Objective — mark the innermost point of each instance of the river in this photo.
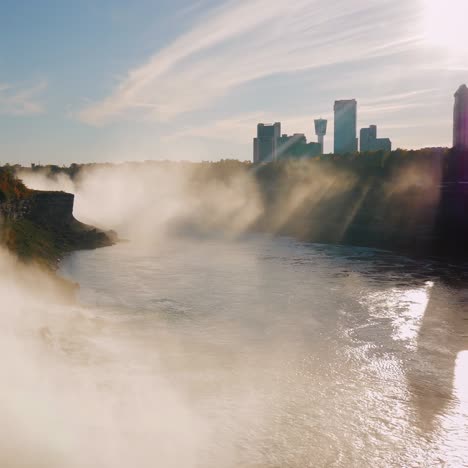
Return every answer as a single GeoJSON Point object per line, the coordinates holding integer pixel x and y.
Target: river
{"type": "Point", "coordinates": [267, 352]}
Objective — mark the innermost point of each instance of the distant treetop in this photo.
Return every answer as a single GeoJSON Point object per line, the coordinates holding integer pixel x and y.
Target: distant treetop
{"type": "Point", "coordinates": [11, 187]}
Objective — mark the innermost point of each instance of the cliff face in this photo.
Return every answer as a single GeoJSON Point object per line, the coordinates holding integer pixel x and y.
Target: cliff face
{"type": "Point", "coordinates": [41, 226]}
{"type": "Point", "coordinates": [53, 209]}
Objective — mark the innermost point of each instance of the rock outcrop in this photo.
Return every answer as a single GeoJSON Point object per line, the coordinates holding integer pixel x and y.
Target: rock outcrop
{"type": "Point", "coordinates": [47, 208]}
{"type": "Point", "coordinates": [40, 225]}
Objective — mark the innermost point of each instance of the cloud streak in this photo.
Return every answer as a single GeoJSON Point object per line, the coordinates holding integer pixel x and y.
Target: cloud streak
{"type": "Point", "coordinates": [246, 40]}
{"type": "Point", "coordinates": [19, 101]}
{"type": "Point", "coordinates": [239, 128]}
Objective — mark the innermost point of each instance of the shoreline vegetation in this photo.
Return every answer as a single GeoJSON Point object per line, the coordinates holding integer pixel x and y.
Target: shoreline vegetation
{"type": "Point", "coordinates": [409, 202]}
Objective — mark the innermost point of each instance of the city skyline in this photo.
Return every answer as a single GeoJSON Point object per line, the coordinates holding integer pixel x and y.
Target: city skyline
{"type": "Point", "coordinates": [271, 144]}
{"type": "Point", "coordinates": [182, 80]}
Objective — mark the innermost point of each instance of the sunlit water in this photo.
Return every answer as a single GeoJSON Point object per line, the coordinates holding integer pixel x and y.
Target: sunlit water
{"type": "Point", "coordinates": [272, 353]}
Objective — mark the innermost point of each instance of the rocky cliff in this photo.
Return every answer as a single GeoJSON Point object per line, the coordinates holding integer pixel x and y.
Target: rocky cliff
{"type": "Point", "coordinates": [47, 208]}
{"type": "Point", "coordinates": [40, 225]}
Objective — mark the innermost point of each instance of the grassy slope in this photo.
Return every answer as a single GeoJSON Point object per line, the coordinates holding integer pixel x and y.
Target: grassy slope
{"type": "Point", "coordinates": [30, 241]}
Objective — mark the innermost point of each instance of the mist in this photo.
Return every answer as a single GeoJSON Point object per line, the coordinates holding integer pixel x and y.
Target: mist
{"type": "Point", "coordinates": [103, 383]}
{"type": "Point", "coordinates": [150, 202]}
{"type": "Point", "coordinates": [91, 384]}
{"type": "Point", "coordinates": [200, 341]}
{"type": "Point", "coordinates": [78, 390]}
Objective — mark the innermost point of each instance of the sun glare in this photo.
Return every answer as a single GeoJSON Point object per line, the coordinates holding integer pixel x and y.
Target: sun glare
{"type": "Point", "coordinates": [461, 379]}
{"type": "Point", "coordinates": [445, 24]}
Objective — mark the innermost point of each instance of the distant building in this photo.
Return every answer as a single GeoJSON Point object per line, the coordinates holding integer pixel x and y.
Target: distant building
{"type": "Point", "coordinates": [345, 126]}
{"type": "Point", "coordinates": [296, 146]}
{"type": "Point", "coordinates": [270, 145]}
{"type": "Point", "coordinates": [460, 119]}
{"type": "Point", "coordinates": [368, 140]}
{"type": "Point", "coordinates": [320, 131]}
{"type": "Point", "coordinates": [288, 142]}
{"type": "Point", "coordinates": [266, 143]}
{"type": "Point", "coordinates": [366, 137]}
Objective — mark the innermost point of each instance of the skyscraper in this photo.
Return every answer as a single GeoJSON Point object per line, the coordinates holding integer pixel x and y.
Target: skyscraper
{"type": "Point", "coordinates": [460, 119]}
{"type": "Point", "coordinates": [345, 126]}
{"type": "Point", "coordinates": [366, 137]}
{"type": "Point", "coordinates": [368, 140]}
{"type": "Point", "coordinates": [320, 131]}
{"type": "Point", "coordinates": [296, 147]}
{"type": "Point", "coordinates": [266, 142]}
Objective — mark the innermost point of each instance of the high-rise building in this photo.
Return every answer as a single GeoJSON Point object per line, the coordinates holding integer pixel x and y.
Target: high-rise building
{"type": "Point", "coordinates": [266, 142]}
{"type": "Point", "coordinates": [296, 147]}
{"type": "Point", "coordinates": [320, 131]}
{"type": "Point", "coordinates": [368, 140]}
{"type": "Point", "coordinates": [366, 137]}
{"type": "Point", "coordinates": [460, 119]}
{"type": "Point", "coordinates": [290, 144]}
{"type": "Point", "coordinates": [345, 126]}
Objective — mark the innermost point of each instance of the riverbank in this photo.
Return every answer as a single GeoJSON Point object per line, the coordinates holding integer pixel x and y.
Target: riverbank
{"type": "Point", "coordinates": [410, 202]}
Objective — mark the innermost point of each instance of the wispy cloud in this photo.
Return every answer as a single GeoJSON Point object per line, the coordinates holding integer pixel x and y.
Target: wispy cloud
{"type": "Point", "coordinates": [15, 100]}
{"type": "Point", "coordinates": [240, 127]}
{"type": "Point", "coordinates": [244, 40]}
{"type": "Point", "coordinates": [399, 102]}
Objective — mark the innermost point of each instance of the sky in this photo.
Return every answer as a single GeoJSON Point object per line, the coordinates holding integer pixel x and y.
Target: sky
{"type": "Point", "coordinates": [113, 80]}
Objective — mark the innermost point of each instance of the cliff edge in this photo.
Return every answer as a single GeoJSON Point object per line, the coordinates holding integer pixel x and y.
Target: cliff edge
{"type": "Point", "coordinates": [40, 226]}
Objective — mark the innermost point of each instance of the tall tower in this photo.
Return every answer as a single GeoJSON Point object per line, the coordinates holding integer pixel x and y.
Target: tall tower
{"type": "Point", "coordinates": [320, 131]}
{"type": "Point", "coordinates": [265, 145]}
{"type": "Point", "coordinates": [460, 119]}
{"type": "Point", "coordinates": [345, 126]}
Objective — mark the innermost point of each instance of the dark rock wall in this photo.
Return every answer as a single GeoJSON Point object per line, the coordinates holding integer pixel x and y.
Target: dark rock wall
{"type": "Point", "coordinates": [53, 209]}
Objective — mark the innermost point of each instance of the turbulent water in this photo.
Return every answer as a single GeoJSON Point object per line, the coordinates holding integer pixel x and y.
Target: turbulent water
{"type": "Point", "coordinates": [270, 353]}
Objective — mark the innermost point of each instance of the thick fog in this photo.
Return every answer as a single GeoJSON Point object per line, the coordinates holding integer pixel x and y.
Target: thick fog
{"type": "Point", "coordinates": [210, 354]}
{"type": "Point", "coordinates": [81, 387]}
{"type": "Point", "coordinates": [146, 202]}
{"type": "Point", "coordinates": [106, 386]}
{"type": "Point", "coordinates": [149, 202]}
{"type": "Point", "coordinates": [154, 201]}
{"type": "Point", "coordinates": [77, 390]}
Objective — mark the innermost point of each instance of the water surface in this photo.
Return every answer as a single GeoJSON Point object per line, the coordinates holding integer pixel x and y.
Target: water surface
{"type": "Point", "coordinates": [271, 353]}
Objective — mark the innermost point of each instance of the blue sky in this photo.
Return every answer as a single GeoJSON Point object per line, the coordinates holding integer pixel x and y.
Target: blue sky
{"type": "Point", "coordinates": [176, 79]}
